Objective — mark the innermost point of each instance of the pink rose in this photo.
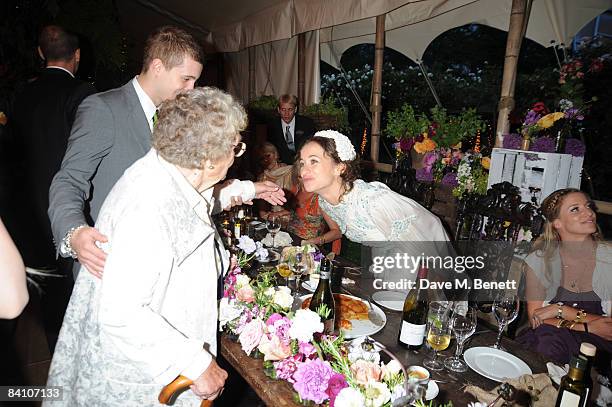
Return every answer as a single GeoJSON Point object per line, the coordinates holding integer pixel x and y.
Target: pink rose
{"type": "Point", "coordinates": [273, 348]}
{"type": "Point", "coordinates": [251, 334]}
{"type": "Point", "coordinates": [246, 294]}
{"type": "Point", "coordinates": [365, 372]}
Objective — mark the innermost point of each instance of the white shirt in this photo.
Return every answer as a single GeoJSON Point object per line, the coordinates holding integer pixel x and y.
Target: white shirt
{"type": "Point", "coordinates": [62, 68]}
{"type": "Point", "coordinates": [147, 104]}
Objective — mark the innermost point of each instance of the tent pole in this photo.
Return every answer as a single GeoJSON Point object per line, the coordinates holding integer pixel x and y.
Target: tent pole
{"type": "Point", "coordinates": [301, 68]}
{"type": "Point", "coordinates": [375, 106]}
{"type": "Point", "coordinates": [518, 17]}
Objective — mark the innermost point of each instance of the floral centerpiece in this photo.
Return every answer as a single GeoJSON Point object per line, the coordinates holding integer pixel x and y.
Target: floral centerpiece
{"type": "Point", "coordinates": [472, 175]}
{"type": "Point", "coordinates": [320, 368]}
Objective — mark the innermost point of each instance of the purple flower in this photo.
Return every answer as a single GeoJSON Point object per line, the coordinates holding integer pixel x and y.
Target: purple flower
{"type": "Point", "coordinates": [424, 174]}
{"type": "Point", "coordinates": [573, 113]}
{"type": "Point", "coordinates": [575, 147]}
{"type": "Point", "coordinates": [312, 380]}
{"type": "Point", "coordinates": [512, 141]}
{"type": "Point", "coordinates": [406, 144]}
{"type": "Point", "coordinates": [430, 158]}
{"type": "Point", "coordinates": [450, 179]}
{"type": "Point", "coordinates": [307, 349]}
{"type": "Point", "coordinates": [531, 118]}
{"type": "Point", "coordinates": [543, 145]}
{"type": "Point", "coordinates": [318, 256]}
{"type": "Point", "coordinates": [336, 383]}
{"type": "Point", "coordinates": [285, 369]}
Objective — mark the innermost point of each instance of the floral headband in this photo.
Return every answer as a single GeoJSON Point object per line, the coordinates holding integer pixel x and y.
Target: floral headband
{"type": "Point", "coordinates": [344, 147]}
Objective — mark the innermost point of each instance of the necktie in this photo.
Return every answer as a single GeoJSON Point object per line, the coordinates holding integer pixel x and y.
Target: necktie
{"type": "Point", "coordinates": [154, 119]}
{"type": "Point", "coordinates": [289, 139]}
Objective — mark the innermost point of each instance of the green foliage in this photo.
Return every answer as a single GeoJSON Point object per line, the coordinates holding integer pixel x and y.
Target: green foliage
{"type": "Point", "coordinates": [452, 129]}
{"type": "Point", "coordinates": [264, 102]}
{"type": "Point", "coordinates": [328, 108]}
{"type": "Point", "coordinates": [405, 123]}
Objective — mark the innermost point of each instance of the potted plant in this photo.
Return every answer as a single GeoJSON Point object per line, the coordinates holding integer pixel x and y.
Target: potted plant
{"type": "Point", "coordinates": [327, 115]}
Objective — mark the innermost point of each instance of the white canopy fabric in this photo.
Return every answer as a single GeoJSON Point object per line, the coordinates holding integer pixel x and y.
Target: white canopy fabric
{"type": "Point", "coordinates": [550, 20]}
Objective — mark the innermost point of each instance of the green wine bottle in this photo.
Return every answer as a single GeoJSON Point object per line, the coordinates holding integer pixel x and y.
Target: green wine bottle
{"type": "Point", "coordinates": [572, 392]}
{"type": "Point", "coordinates": [323, 298]}
{"type": "Point", "coordinates": [414, 316]}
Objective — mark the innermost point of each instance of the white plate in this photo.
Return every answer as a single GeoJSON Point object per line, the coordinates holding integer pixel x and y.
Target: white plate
{"type": "Point", "coordinates": [360, 327]}
{"type": "Point", "coordinates": [495, 364]}
{"type": "Point", "coordinates": [432, 390]}
{"type": "Point", "coordinates": [393, 300]}
{"type": "Point", "coordinates": [306, 285]}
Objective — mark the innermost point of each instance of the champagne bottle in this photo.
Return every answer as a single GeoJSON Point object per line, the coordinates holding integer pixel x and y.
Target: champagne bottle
{"type": "Point", "coordinates": [572, 392]}
{"type": "Point", "coordinates": [323, 296]}
{"type": "Point", "coordinates": [238, 227]}
{"type": "Point", "coordinates": [587, 352]}
{"type": "Point", "coordinates": [414, 316]}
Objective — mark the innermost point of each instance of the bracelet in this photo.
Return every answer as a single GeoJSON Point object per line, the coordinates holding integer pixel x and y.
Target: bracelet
{"type": "Point", "coordinates": [571, 325]}
{"type": "Point", "coordinates": [580, 315]}
{"type": "Point", "coordinates": [560, 323]}
{"type": "Point", "coordinates": [67, 241]}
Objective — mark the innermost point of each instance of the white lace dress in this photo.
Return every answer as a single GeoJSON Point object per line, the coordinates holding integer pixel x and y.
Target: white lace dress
{"type": "Point", "coordinates": [372, 212]}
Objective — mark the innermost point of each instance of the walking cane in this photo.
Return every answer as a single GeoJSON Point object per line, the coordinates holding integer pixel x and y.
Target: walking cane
{"type": "Point", "coordinates": [178, 384]}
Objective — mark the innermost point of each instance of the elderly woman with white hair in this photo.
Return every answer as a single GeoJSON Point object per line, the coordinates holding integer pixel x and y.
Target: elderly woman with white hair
{"type": "Point", "coordinates": [153, 315]}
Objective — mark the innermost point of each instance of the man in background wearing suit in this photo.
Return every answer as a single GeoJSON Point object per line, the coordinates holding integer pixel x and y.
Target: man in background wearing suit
{"type": "Point", "coordinates": [43, 113]}
{"type": "Point", "coordinates": [291, 130]}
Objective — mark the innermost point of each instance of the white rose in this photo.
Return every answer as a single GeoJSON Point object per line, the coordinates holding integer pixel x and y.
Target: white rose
{"type": "Point", "coordinates": [349, 397]}
{"type": "Point", "coordinates": [377, 394]}
{"type": "Point", "coordinates": [228, 311]}
{"type": "Point", "coordinates": [242, 280]}
{"type": "Point", "coordinates": [304, 324]}
{"type": "Point", "coordinates": [283, 298]}
{"type": "Point", "coordinates": [270, 291]}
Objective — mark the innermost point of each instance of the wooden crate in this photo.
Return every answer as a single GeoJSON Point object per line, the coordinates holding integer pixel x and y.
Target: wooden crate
{"type": "Point", "coordinates": [526, 169]}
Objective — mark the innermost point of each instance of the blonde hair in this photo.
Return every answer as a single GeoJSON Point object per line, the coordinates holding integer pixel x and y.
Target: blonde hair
{"type": "Point", "coordinates": [170, 45]}
{"type": "Point", "coordinates": [198, 125]}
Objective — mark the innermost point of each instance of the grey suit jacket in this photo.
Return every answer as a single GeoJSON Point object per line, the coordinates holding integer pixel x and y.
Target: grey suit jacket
{"type": "Point", "coordinates": [109, 134]}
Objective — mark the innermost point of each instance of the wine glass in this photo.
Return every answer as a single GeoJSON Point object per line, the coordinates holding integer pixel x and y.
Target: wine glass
{"type": "Point", "coordinates": [298, 267]}
{"type": "Point", "coordinates": [505, 308]}
{"type": "Point", "coordinates": [463, 323]}
{"type": "Point", "coordinates": [285, 271]}
{"type": "Point", "coordinates": [273, 225]}
{"type": "Point", "coordinates": [438, 336]}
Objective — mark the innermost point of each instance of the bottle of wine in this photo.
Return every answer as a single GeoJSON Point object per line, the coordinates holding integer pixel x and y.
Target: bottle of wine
{"type": "Point", "coordinates": [572, 392]}
{"type": "Point", "coordinates": [238, 227]}
{"type": "Point", "coordinates": [587, 352]}
{"type": "Point", "coordinates": [323, 296]}
{"type": "Point", "coordinates": [414, 316]}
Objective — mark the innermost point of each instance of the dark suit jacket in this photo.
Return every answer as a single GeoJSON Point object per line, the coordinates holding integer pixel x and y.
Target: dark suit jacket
{"type": "Point", "coordinates": [42, 116]}
{"type": "Point", "coordinates": [109, 134]}
{"type": "Point", "coordinates": [304, 129]}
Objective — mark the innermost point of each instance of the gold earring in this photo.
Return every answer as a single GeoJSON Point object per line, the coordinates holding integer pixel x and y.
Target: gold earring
{"type": "Point", "coordinates": [211, 167]}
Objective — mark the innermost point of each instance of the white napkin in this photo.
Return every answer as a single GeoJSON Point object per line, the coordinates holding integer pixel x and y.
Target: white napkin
{"type": "Point", "coordinates": [281, 239]}
{"type": "Point", "coordinates": [556, 372]}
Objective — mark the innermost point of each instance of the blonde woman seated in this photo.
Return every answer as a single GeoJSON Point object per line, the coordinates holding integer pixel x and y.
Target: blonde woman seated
{"type": "Point", "coordinates": [569, 281]}
{"type": "Point", "coordinates": [274, 171]}
{"type": "Point", "coordinates": [153, 315]}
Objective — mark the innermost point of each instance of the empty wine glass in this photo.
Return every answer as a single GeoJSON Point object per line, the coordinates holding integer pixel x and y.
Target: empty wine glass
{"type": "Point", "coordinates": [438, 336]}
{"type": "Point", "coordinates": [298, 267]}
{"type": "Point", "coordinates": [273, 225]}
{"type": "Point", "coordinates": [505, 308]}
{"type": "Point", "coordinates": [463, 324]}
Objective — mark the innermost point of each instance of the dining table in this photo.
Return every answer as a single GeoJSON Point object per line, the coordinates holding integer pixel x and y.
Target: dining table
{"type": "Point", "coordinates": [451, 385]}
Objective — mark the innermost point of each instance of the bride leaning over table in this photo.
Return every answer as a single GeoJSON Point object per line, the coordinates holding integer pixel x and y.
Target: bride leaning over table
{"type": "Point", "coordinates": [153, 315]}
{"type": "Point", "coordinates": [569, 281]}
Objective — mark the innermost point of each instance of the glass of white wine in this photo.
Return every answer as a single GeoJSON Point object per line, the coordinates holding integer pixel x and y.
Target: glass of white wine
{"type": "Point", "coordinates": [463, 323]}
{"type": "Point", "coordinates": [438, 336]}
{"type": "Point", "coordinates": [284, 271]}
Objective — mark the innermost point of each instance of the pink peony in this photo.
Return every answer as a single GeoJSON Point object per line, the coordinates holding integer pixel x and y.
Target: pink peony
{"type": "Point", "coordinates": [307, 349]}
{"type": "Point", "coordinates": [312, 380]}
{"type": "Point", "coordinates": [336, 383]}
{"type": "Point", "coordinates": [250, 335]}
{"type": "Point", "coordinates": [246, 294]}
{"type": "Point", "coordinates": [273, 348]}
{"type": "Point", "coordinates": [286, 368]}
{"type": "Point", "coordinates": [364, 372]}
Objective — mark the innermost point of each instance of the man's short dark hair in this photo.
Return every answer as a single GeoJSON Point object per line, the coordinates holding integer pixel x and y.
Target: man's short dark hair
{"type": "Point", "coordinates": [57, 44]}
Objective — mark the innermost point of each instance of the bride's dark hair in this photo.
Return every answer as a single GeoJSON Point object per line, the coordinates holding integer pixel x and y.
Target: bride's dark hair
{"type": "Point", "coordinates": [351, 168]}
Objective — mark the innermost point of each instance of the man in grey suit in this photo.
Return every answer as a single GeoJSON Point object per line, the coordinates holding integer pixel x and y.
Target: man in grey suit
{"type": "Point", "coordinates": [112, 130]}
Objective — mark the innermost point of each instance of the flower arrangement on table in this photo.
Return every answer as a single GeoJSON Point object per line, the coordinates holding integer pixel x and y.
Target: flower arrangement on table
{"type": "Point", "coordinates": [320, 368]}
{"type": "Point", "coordinates": [472, 175]}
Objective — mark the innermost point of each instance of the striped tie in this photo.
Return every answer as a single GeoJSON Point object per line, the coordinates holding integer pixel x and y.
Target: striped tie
{"type": "Point", "coordinates": [155, 119]}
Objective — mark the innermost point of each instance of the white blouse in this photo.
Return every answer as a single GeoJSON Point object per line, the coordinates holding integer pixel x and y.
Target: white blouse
{"type": "Point", "coordinates": [153, 315]}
